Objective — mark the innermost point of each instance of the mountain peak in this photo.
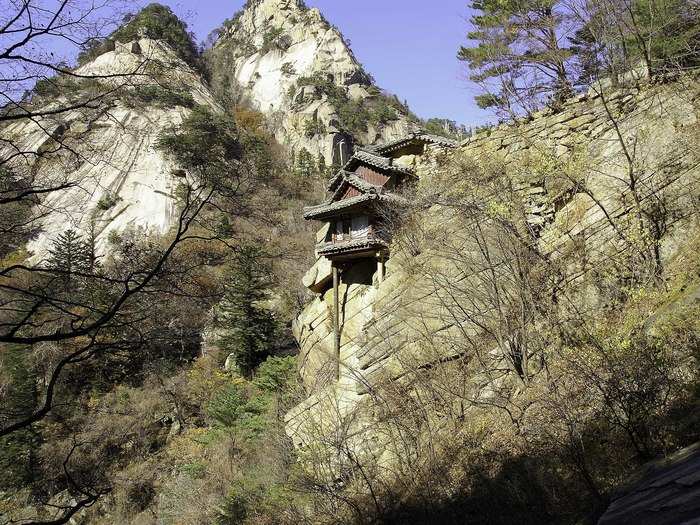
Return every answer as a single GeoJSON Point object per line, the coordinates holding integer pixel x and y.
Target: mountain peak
{"type": "Point", "coordinates": [280, 4]}
{"type": "Point", "coordinates": [290, 63]}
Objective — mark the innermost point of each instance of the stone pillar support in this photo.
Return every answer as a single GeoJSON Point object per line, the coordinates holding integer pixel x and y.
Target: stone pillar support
{"type": "Point", "coordinates": [380, 267]}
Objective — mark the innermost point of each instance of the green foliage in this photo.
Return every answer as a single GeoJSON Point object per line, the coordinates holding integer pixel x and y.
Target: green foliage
{"type": "Point", "coordinates": [250, 329]}
{"type": "Point", "coordinates": [91, 50]}
{"type": "Point", "coordinates": [246, 426]}
{"type": "Point", "coordinates": [674, 42]}
{"type": "Point", "coordinates": [157, 22]}
{"type": "Point", "coordinates": [276, 374]}
{"type": "Point", "coordinates": [517, 55]}
{"type": "Point", "coordinates": [234, 509]}
{"type": "Point", "coordinates": [196, 469]}
{"type": "Point", "coordinates": [666, 33]}
{"type": "Point", "coordinates": [252, 498]}
{"type": "Point", "coordinates": [228, 405]}
{"type": "Point", "coordinates": [384, 109]}
{"type": "Point", "coordinates": [244, 407]}
{"type": "Point", "coordinates": [70, 254]}
{"type": "Point", "coordinates": [314, 127]}
{"type": "Point", "coordinates": [108, 201]}
{"type": "Point", "coordinates": [16, 222]}
{"type": "Point", "coordinates": [325, 171]}
{"type": "Point", "coordinates": [287, 69]}
{"type": "Point", "coordinates": [659, 35]}
{"type": "Point", "coordinates": [159, 96]}
{"type": "Point", "coordinates": [489, 100]}
{"type": "Point", "coordinates": [272, 39]}
{"type": "Point", "coordinates": [516, 52]}
{"type": "Point", "coordinates": [57, 86]}
{"type": "Point", "coordinates": [66, 86]}
{"type": "Point", "coordinates": [206, 144]}
{"type": "Point", "coordinates": [304, 164]}
{"type": "Point", "coordinates": [355, 115]}
{"type": "Point", "coordinates": [211, 146]}
{"type": "Point", "coordinates": [445, 128]}
{"type": "Point", "coordinates": [18, 450]}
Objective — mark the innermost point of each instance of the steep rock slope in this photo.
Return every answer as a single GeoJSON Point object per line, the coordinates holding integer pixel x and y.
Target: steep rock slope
{"type": "Point", "coordinates": [291, 64]}
{"type": "Point", "coordinates": [384, 325]}
{"type": "Point", "coordinates": [118, 177]}
{"type": "Point", "coordinates": [277, 55]}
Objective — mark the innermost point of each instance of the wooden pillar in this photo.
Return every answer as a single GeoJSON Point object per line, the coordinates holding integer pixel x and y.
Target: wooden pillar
{"type": "Point", "coordinates": [336, 320]}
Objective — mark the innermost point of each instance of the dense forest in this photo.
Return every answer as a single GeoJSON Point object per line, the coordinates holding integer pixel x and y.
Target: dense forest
{"type": "Point", "coordinates": [146, 376]}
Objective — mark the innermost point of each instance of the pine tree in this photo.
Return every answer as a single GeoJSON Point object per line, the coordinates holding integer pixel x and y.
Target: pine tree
{"type": "Point", "coordinates": [621, 35]}
{"type": "Point", "coordinates": [249, 328]}
{"type": "Point", "coordinates": [670, 30]}
{"type": "Point", "coordinates": [305, 165]}
{"type": "Point", "coordinates": [16, 225]}
{"type": "Point", "coordinates": [71, 254]}
{"type": "Point", "coordinates": [517, 57]}
{"type": "Point", "coordinates": [72, 258]}
{"type": "Point", "coordinates": [322, 168]}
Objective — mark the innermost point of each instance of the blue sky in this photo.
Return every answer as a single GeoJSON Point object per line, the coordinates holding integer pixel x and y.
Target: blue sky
{"type": "Point", "coordinates": [409, 46]}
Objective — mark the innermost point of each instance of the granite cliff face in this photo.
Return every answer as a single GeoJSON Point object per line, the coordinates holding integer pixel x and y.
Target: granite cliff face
{"type": "Point", "coordinates": [276, 56]}
{"type": "Point", "coordinates": [266, 57]}
{"type": "Point", "coordinates": [385, 325]}
{"type": "Point", "coordinates": [118, 178]}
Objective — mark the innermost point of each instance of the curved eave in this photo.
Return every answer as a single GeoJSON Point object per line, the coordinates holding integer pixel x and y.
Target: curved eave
{"type": "Point", "coordinates": [359, 245]}
{"type": "Point", "coordinates": [337, 180]}
{"type": "Point", "coordinates": [377, 162]}
{"type": "Point", "coordinates": [332, 209]}
{"type": "Point", "coordinates": [356, 182]}
{"type": "Point", "coordinates": [369, 159]}
{"type": "Point", "coordinates": [416, 138]}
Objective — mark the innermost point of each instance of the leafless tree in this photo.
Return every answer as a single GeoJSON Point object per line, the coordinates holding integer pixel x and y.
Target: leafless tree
{"type": "Point", "coordinates": [74, 318]}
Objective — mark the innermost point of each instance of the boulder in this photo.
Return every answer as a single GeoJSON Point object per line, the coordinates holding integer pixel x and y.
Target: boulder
{"type": "Point", "coordinates": [357, 92]}
{"type": "Point", "coordinates": [318, 276]}
{"type": "Point", "coordinates": [230, 365]}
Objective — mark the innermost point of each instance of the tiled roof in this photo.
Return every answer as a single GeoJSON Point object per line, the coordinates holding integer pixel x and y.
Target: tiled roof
{"type": "Point", "coordinates": [440, 141]}
{"type": "Point", "coordinates": [361, 184]}
{"type": "Point", "coordinates": [359, 244]}
{"type": "Point", "coordinates": [329, 208]}
{"type": "Point", "coordinates": [413, 137]}
{"type": "Point", "coordinates": [357, 182]}
{"type": "Point", "coordinates": [314, 212]}
{"type": "Point", "coordinates": [374, 160]}
{"type": "Point", "coordinates": [336, 180]}
{"type": "Point", "coordinates": [375, 156]}
{"type": "Point", "coordinates": [342, 176]}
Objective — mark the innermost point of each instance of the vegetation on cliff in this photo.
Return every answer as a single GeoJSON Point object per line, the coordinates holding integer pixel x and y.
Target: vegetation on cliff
{"type": "Point", "coordinates": [355, 115]}
{"type": "Point", "coordinates": [154, 21]}
{"type": "Point", "coordinates": [149, 383]}
{"type": "Point", "coordinates": [560, 363]}
{"type": "Point", "coordinates": [524, 54]}
{"type": "Point", "coordinates": [141, 404]}
{"type": "Point", "coordinates": [98, 344]}
{"type": "Point", "coordinates": [581, 353]}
